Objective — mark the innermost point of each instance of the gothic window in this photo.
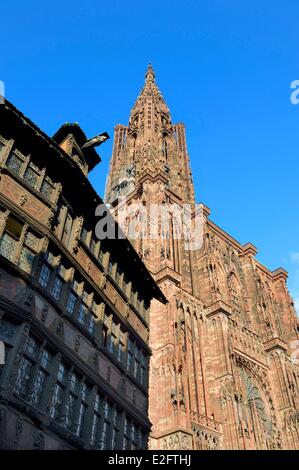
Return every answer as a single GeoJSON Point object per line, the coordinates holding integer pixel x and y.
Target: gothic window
{"type": "Point", "coordinates": [28, 251]}
{"type": "Point", "coordinates": [137, 362]}
{"type": "Point", "coordinates": [45, 273]}
{"type": "Point", "coordinates": [18, 244]}
{"type": "Point", "coordinates": [10, 238]}
{"type": "Point", "coordinates": [41, 377]}
{"type": "Point", "coordinates": [96, 422]}
{"type": "Point", "coordinates": [52, 275]}
{"type": "Point", "coordinates": [33, 372]}
{"type": "Point", "coordinates": [47, 188]}
{"type": "Point", "coordinates": [56, 402]}
{"type": "Point", "coordinates": [80, 307]}
{"type": "Point", "coordinates": [83, 308]}
{"type": "Point", "coordinates": [31, 175]}
{"type": "Point", "coordinates": [23, 377]}
{"type": "Point", "coordinates": [72, 299]}
{"type": "Point", "coordinates": [15, 163]}
{"type": "Point", "coordinates": [133, 436]}
{"type": "Point", "coordinates": [58, 282]}
{"type": "Point", "coordinates": [255, 412]}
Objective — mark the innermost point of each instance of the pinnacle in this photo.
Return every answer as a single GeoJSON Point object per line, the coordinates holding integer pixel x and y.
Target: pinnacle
{"type": "Point", "coordinates": [150, 74]}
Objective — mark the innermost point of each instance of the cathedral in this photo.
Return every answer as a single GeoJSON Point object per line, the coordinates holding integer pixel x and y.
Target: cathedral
{"type": "Point", "coordinates": [170, 336]}
{"type": "Point", "coordinates": [223, 372]}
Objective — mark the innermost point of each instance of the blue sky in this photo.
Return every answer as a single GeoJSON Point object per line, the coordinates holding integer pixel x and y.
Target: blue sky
{"type": "Point", "coordinates": [224, 67]}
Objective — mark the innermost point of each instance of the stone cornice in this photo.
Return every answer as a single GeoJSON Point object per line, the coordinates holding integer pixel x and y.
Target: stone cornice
{"type": "Point", "coordinates": [216, 308]}
{"type": "Point", "coordinates": [275, 343]}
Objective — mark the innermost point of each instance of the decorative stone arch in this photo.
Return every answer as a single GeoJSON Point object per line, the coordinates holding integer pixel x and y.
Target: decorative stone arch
{"type": "Point", "coordinates": [258, 393]}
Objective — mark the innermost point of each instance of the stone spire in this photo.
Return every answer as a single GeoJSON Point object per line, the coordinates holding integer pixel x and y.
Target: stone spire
{"type": "Point", "coordinates": [150, 74]}
{"type": "Point", "coordinates": [150, 145]}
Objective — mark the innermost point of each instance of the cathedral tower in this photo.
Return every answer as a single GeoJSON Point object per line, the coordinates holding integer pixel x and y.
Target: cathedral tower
{"type": "Point", "coordinates": [224, 371]}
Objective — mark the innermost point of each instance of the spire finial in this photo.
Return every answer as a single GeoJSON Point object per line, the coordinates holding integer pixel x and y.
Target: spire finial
{"type": "Point", "coordinates": [150, 74]}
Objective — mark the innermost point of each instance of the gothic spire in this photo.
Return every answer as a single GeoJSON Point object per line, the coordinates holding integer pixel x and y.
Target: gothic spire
{"type": "Point", "coordinates": [150, 74]}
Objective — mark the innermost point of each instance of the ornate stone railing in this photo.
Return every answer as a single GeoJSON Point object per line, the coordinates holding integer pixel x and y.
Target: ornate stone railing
{"type": "Point", "coordinates": [204, 421]}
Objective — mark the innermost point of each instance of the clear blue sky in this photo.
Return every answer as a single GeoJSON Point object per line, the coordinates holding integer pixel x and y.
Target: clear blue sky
{"type": "Point", "coordinates": [224, 67]}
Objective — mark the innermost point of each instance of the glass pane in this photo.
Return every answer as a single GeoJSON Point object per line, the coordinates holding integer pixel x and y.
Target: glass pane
{"type": "Point", "coordinates": [71, 302]}
{"type": "Point", "coordinates": [32, 241]}
{"type": "Point", "coordinates": [56, 401]}
{"type": "Point", "coordinates": [14, 163]}
{"type": "Point", "coordinates": [47, 188]}
{"type": "Point", "coordinates": [61, 372]}
{"type": "Point", "coordinates": [44, 275]}
{"type": "Point", "coordinates": [31, 176]}
{"type": "Point", "coordinates": [7, 246]}
{"type": "Point", "coordinates": [26, 259]}
{"type": "Point", "coordinates": [56, 289]}
{"type": "Point", "coordinates": [82, 313]}
{"type": "Point", "coordinates": [45, 358]}
{"type": "Point", "coordinates": [38, 387]}
{"type": "Point", "coordinates": [24, 372]}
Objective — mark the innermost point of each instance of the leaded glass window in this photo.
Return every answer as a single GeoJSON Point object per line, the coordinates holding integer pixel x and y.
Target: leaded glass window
{"type": "Point", "coordinates": [47, 187]}
{"type": "Point", "coordinates": [38, 387]}
{"type": "Point", "coordinates": [8, 246]}
{"type": "Point", "coordinates": [44, 275]}
{"type": "Point", "coordinates": [24, 373]}
{"type": "Point", "coordinates": [56, 289]}
{"type": "Point", "coordinates": [31, 175]}
{"type": "Point", "coordinates": [55, 406]}
{"type": "Point", "coordinates": [26, 259]}
{"type": "Point", "coordinates": [14, 163]}
{"type": "Point", "coordinates": [71, 302]}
